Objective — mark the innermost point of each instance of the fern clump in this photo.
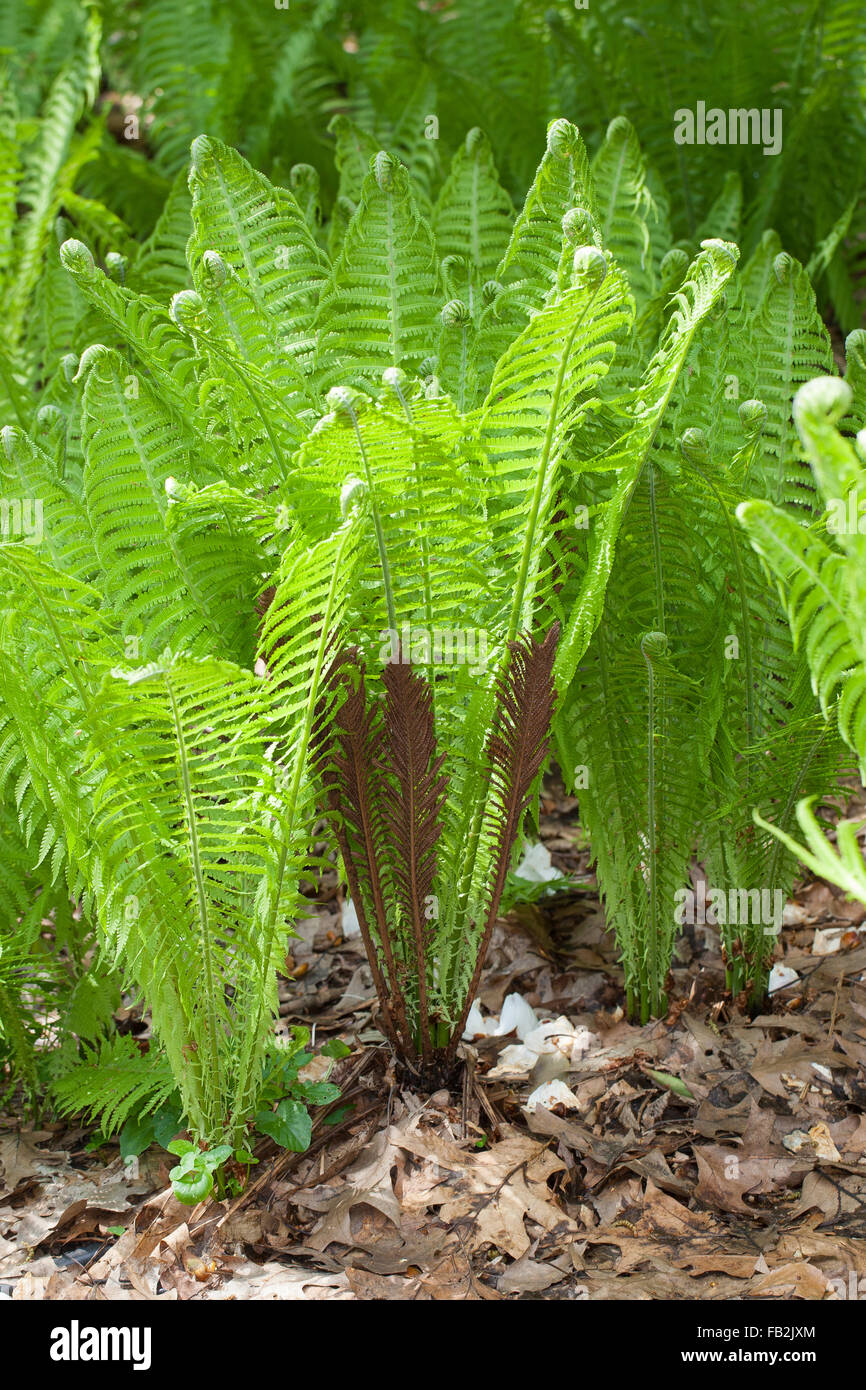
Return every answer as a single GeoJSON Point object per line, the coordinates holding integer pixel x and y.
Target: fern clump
{"type": "Point", "coordinates": [175, 783]}
{"type": "Point", "coordinates": [355, 522]}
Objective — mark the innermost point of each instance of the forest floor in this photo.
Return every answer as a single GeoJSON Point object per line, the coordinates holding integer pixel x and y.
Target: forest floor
{"type": "Point", "coordinates": [709, 1156]}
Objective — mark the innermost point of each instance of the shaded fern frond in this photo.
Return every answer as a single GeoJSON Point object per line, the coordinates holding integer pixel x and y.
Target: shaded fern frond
{"type": "Point", "coordinates": [114, 1082]}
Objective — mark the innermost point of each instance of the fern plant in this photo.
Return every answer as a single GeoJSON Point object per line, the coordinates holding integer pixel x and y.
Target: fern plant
{"type": "Point", "coordinates": [190, 832]}
{"type": "Point", "coordinates": [451, 431]}
{"type": "Point", "coordinates": [169, 779]}
{"type": "Point", "coordinates": [431, 782]}
{"type": "Point", "coordinates": [818, 566]}
{"type": "Point", "coordinates": [189, 753]}
{"type": "Point", "coordinates": [461, 485]}
{"type": "Point", "coordinates": [116, 1085]}
{"type": "Point", "coordinates": [691, 706]}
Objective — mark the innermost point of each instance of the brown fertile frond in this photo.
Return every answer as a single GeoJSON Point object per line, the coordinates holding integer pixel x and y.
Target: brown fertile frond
{"type": "Point", "coordinates": [515, 752]}
{"type": "Point", "coordinates": [412, 810]}
{"type": "Point", "coordinates": [518, 742]}
{"type": "Point", "coordinates": [333, 689]}
{"type": "Point", "coordinates": [350, 749]}
{"type": "Point", "coordinates": [262, 605]}
{"type": "Point", "coordinates": [265, 599]}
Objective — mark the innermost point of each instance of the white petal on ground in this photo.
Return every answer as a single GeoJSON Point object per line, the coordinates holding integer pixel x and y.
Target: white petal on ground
{"type": "Point", "coordinates": [781, 976]}
{"type": "Point", "coordinates": [517, 1016]}
{"type": "Point", "coordinates": [560, 1035]}
{"type": "Point", "coordinates": [515, 1061]}
{"type": "Point", "coordinates": [550, 1094]}
{"type": "Point", "coordinates": [477, 1026]}
{"type": "Point", "coordinates": [536, 865]}
{"type": "Point", "coordinates": [793, 915]}
{"type": "Point", "coordinates": [829, 941]}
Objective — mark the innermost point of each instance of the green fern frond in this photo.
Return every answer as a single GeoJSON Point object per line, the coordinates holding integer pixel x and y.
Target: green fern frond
{"type": "Point", "coordinates": [161, 583]}
{"type": "Point", "coordinates": [114, 1082]}
{"type": "Point", "coordinates": [261, 234]}
{"type": "Point", "coordinates": [625, 207]}
{"type": "Point", "coordinates": [145, 325]}
{"type": "Point", "coordinates": [562, 182]}
{"type": "Point", "coordinates": [379, 303]}
{"type": "Point", "coordinates": [473, 215]}
{"type": "Point", "coordinates": [820, 583]}
{"type": "Point", "coordinates": [49, 169]}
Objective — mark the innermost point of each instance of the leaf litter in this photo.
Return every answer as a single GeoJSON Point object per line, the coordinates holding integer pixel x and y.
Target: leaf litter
{"type": "Point", "coordinates": [707, 1156]}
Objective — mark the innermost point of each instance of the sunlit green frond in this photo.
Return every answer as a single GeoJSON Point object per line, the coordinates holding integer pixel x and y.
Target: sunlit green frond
{"type": "Point", "coordinates": [562, 182]}
{"type": "Point", "coordinates": [378, 306]}
{"type": "Point", "coordinates": [261, 234]}
{"type": "Point", "coordinates": [142, 323]}
{"type": "Point", "coordinates": [167, 586]}
{"type": "Point", "coordinates": [49, 167]}
{"type": "Point", "coordinates": [792, 346]}
{"type": "Point", "coordinates": [473, 214]}
{"type": "Point", "coordinates": [821, 581]}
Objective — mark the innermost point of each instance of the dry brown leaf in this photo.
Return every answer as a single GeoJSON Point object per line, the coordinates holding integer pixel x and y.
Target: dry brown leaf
{"type": "Point", "coordinates": [20, 1158]}
{"type": "Point", "coordinates": [792, 1057]}
{"type": "Point", "coordinates": [494, 1190]}
{"type": "Point", "coordinates": [797, 1279]}
{"type": "Point", "coordinates": [367, 1182]}
{"type": "Point", "coordinates": [528, 1275]}
{"type": "Point", "coordinates": [726, 1174]}
{"type": "Point", "coordinates": [385, 1286]}
{"type": "Point", "coordinates": [286, 1283]}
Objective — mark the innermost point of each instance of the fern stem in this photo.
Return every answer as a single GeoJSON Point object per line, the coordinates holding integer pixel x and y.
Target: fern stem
{"type": "Point", "coordinates": [649, 989]}
{"type": "Point", "coordinates": [425, 549]}
{"type": "Point", "coordinates": [195, 853]}
{"type": "Point", "coordinates": [377, 525]}
{"type": "Point", "coordinates": [649, 982]}
{"type": "Point", "coordinates": [655, 539]}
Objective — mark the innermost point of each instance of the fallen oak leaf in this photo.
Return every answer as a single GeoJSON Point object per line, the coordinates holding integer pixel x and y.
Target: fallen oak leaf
{"type": "Point", "coordinates": [20, 1158]}
{"type": "Point", "coordinates": [726, 1175]}
{"type": "Point", "coordinates": [493, 1190]}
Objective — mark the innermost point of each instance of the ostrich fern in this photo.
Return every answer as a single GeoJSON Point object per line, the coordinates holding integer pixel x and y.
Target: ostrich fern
{"type": "Point", "coordinates": [508, 432]}
{"type": "Point", "coordinates": [168, 778]}
{"type": "Point", "coordinates": [692, 707]}
{"type": "Point", "coordinates": [461, 490]}
{"type": "Point", "coordinates": [819, 570]}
